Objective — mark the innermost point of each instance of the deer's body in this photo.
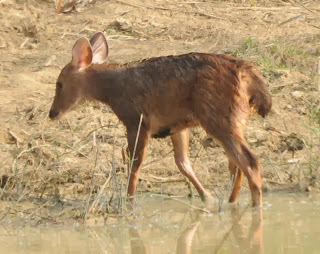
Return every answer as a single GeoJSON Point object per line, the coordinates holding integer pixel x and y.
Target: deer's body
{"type": "Point", "coordinates": [172, 93]}
{"type": "Point", "coordinates": [161, 89]}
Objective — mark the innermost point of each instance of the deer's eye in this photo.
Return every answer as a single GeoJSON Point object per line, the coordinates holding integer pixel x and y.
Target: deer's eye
{"type": "Point", "coordinates": [59, 84]}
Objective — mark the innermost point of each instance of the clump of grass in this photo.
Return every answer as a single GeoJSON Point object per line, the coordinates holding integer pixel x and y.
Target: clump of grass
{"type": "Point", "coordinates": [253, 3]}
{"type": "Point", "coordinates": [270, 64]}
{"type": "Point", "coordinates": [274, 54]}
{"type": "Point", "coordinates": [249, 44]}
{"type": "Point", "coordinates": [313, 162]}
{"type": "Point", "coordinates": [315, 115]}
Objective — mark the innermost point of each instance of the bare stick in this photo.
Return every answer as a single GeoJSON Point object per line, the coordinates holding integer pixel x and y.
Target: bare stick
{"type": "Point", "coordinates": [4, 187]}
{"type": "Point", "coordinates": [134, 150]}
{"type": "Point", "coordinates": [182, 202]}
{"type": "Point", "coordinates": [162, 179]}
{"type": "Point", "coordinates": [5, 214]}
{"type": "Point", "coordinates": [220, 198]}
{"type": "Point", "coordinates": [23, 152]}
{"type": "Point", "coordinates": [94, 130]}
{"type": "Point", "coordinates": [91, 185]}
{"type": "Point", "coordinates": [197, 156]}
{"type": "Point", "coordinates": [319, 74]}
{"type": "Point", "coordinates": [74, 149]}
{"type": "Point", "coordinates": [94, 203]}
{"type": "Point", "coordinates": [284, 123]}
{"type": "Point", "coordinates": [318, 27]}
{"type": "Point", "coordinates": [253, 8]}
{"type": "Point", "coordinates": [302, 6]}
{"type": "Point", "coordinates": [189, 187]}
{"type": "Point", "coordinates": [170, 9]}
{"type": "Point", "coordinates": [292, 19]}
{"type": "Point", "coordinates": [300, 176]}
{"type": "Point", "coordinates": [39, 208]}
{"type": "Point", "coordinates": [4, 162]}
{"type": "Point", "coordinates": [59, 6]}
{"type": "Point", "coordinates": [275, 182]}
{"type": "Point", "coordinates": [275, 168]}
{"type": "Point", "coordinates": [114, 172]}
{"type": "Point", "coordinates": [281, 159]}
{"type": "Point", "coordinates": [15, 136]}
{"type": "Point", "coordinates": [42, 126]}
{"type": "Point", "coordinates": [94, 140]}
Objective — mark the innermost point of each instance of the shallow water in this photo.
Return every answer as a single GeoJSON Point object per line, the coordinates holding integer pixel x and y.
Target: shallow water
{"type": "Point", "coordinates": [288, 223]}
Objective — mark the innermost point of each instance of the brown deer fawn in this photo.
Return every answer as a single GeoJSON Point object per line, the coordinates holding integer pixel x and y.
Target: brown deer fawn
{"type": "Point", "coordinates": [172, 93]}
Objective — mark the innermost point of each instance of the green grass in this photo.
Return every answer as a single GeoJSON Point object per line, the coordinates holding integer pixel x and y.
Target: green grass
{"type": "Point", "coordinates": [314, 138]}
{"type": "Point", "coordinates": [275, 54]}
{"type": "Point", "coordinates": [270, 64]}
{"type": "Point", "coordinates": [315, 115]}
{"type": "Point", "coordinates": [249, 44]}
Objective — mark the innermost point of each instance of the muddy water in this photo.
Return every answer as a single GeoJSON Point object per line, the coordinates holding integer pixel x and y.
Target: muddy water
{"type": "Point", "coordinates": [288, 223]}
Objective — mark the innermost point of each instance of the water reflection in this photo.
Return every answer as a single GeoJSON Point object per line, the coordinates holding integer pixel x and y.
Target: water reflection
{"type": "Point", "coordinates": [251, 240]}
{"type": "Point", "coordinates": [286, 224]}
{"type": "Point", "coordinates": [184, 242]}
{"type": "Point", "coordinates": [136, 243]}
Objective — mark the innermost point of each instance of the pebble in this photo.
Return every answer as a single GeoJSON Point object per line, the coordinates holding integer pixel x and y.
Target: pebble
{"type": "Point", "coordinates": [301, 111]}
{"type": "Point", "coordinates": [297, 94]}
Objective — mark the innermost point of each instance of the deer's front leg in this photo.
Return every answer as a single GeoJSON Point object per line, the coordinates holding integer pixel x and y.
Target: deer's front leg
{"type": "Point", "coordinates": [136, 154]}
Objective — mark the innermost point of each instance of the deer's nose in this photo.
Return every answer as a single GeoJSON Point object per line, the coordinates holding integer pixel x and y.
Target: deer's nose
{"type": "Point", "coordinates": [53, 114]}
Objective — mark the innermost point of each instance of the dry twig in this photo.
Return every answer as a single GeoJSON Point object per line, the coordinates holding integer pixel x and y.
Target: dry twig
{"type": "Point", "coordinates": [134, 151]}
{"type": "Point", "coordinates": [162, 179]}
{"type": "Point", "coordinates": [319, 73]}
{"type": "Point", "coordinates": [58, 8]}
{"type": "Point", "coordinates": [182, 202]}
{"type": "Point", "coordinates": [170, 9]}
{"type": "Point", "coordinates": [15, 136]}
{"type": "Point", "coordinates": [292, 19]}
{"type": "Point", "coordinates": [302, 6]}
{"type": "Point", "coordinates": [275, 168]}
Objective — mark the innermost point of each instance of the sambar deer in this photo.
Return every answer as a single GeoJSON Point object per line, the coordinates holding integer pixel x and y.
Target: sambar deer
{"type": "Point", "coordinates": [173, 93]}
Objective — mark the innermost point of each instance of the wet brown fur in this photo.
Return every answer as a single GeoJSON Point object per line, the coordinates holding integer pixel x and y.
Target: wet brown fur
{"type": "Point", "coordinates": [174, 93]}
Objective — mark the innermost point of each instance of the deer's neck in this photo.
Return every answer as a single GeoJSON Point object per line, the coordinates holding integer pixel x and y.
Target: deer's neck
{"type": "Point", "coordinates": [104, 85]}
{"type": "Point", "coordinates": [115, 87]}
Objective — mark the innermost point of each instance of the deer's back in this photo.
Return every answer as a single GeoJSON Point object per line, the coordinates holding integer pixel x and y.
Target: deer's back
{"type": "Point", "coordinates": [166, 89]}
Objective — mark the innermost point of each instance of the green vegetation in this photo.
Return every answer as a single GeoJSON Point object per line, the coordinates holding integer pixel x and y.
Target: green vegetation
{"type": "Point", "coordinates": [249, 44]}
{"type": "Point", "coordinates": [314, 140]}
{"type": "Point", "coordinates": [276, 54]}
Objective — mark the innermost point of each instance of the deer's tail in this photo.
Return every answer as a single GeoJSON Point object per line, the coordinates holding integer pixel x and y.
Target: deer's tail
{"type": "Point", "coordinates": [257, 91]}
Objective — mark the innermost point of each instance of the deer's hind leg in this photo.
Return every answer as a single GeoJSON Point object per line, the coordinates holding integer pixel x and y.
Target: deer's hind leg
{"type": "Point", "coordinates": [223, 111]}
{"type": "Point", "coordinates": [240, 155]}
{"type": "Point", "coordinates": [232, 140]}
{"type": "Point", "coordinates": [180, 143]}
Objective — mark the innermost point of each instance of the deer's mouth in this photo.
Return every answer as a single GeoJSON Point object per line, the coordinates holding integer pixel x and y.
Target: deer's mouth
{"type": "Point", "coordinates": [56, 115]}
{"type": "Point", "coordinates": [59, 114]}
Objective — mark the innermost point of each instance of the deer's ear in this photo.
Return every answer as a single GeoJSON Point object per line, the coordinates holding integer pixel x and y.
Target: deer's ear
{"type": "Point", "coordinates": [82, 54]}
{"type": "Point", "coordinates": [99, 48]}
